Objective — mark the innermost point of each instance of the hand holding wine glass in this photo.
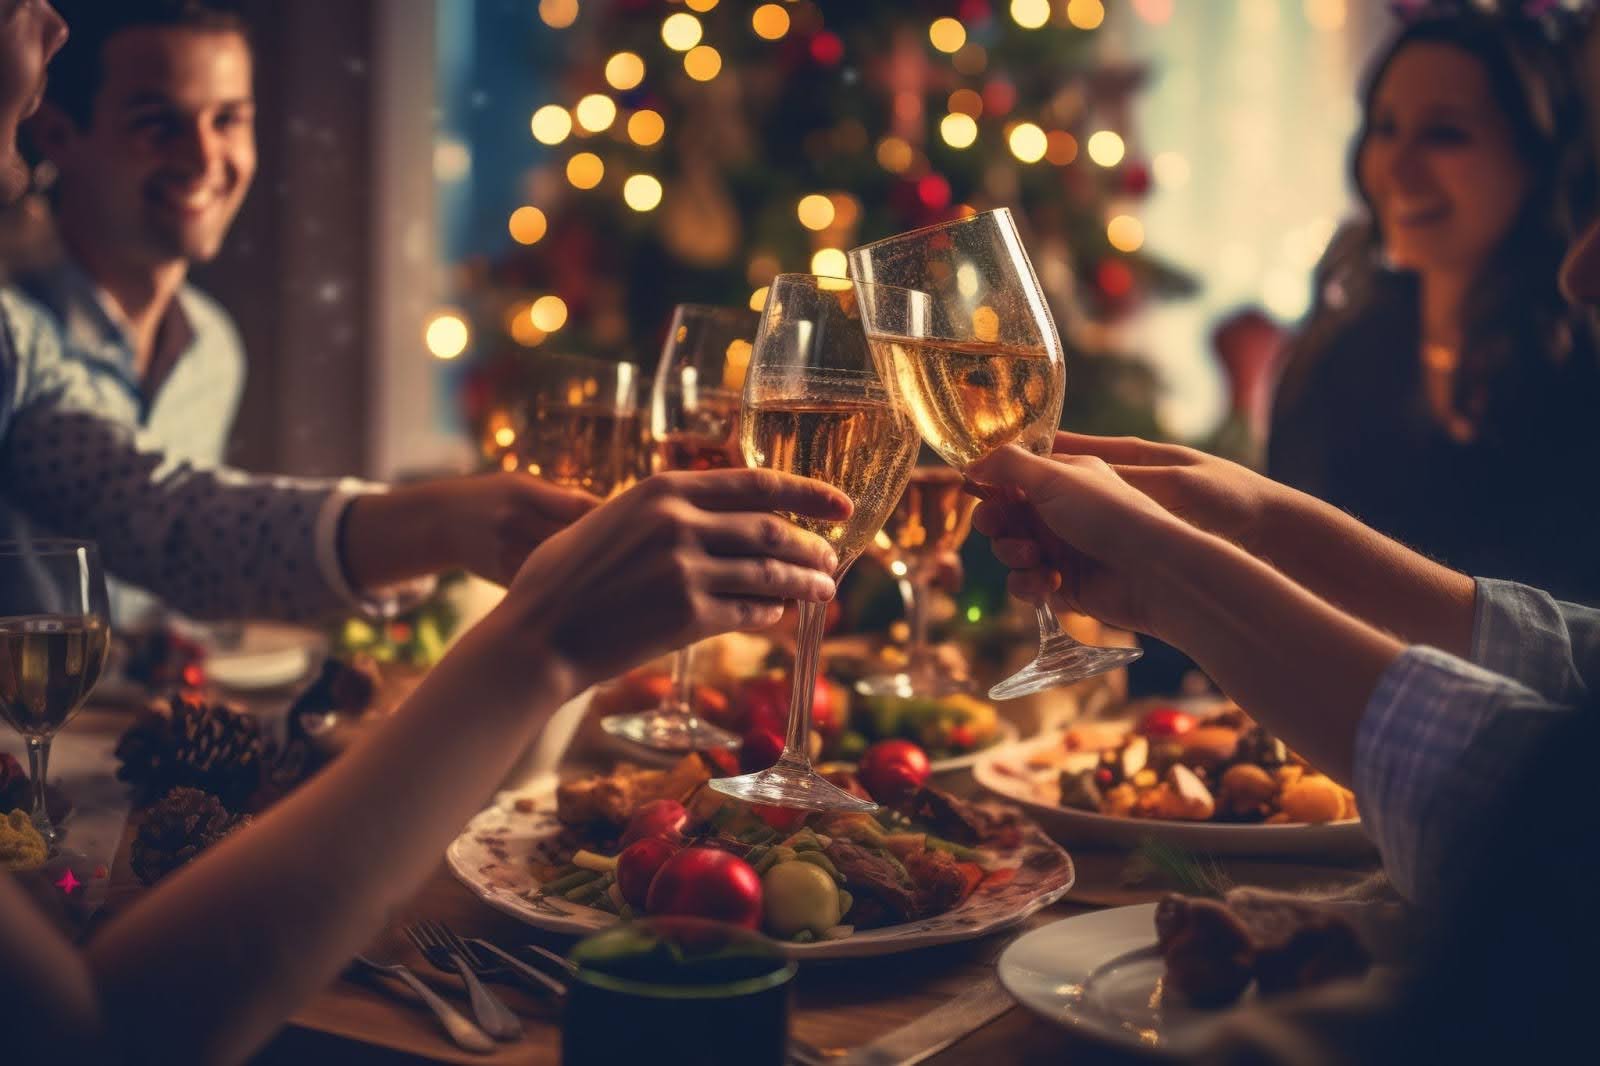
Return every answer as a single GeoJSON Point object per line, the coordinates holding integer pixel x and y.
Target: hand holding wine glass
{"type": "Point", "coordinates": [814, 405]}
{"type": "Point", "coordinates": [959, 323]}
{"type": "Point", "coordinates": [54, 635]}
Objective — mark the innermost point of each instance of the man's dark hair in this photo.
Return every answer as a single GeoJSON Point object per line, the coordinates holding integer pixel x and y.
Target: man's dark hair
{"type": "Point", "coordinates": [77, 72]}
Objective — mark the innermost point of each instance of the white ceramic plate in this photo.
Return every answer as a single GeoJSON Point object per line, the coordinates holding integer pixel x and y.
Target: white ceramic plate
{"type": "Point", "coordinates": [268, 657]}
{"type": "Point", "coordinates": [1099, 975]}
{"type": "Point", "coordinates": [1006, 733]}
{"type": "Point", "coordinates": [493, 854]}
{"type": "Point", "coordinates": [1328, 841]}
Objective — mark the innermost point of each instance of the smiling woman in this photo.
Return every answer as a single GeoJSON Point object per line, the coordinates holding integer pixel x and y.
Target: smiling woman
{"type": "Point", "coordinates": [1441, 387]}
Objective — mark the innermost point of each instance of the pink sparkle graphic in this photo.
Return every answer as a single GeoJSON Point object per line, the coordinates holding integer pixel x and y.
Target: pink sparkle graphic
{"type": "Point", "coordinates": [67, 883]}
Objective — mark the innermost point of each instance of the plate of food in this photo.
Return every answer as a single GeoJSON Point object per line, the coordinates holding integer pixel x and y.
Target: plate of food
{"type": "Point", "coordinates": [1159, 977]}
{"type": "Point", "coordinates": [928, 869]}
{"type": "Point", "coordinates": [1209, 781]}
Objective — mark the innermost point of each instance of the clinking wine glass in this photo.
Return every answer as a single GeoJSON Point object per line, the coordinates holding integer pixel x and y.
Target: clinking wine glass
{"type": "Point", "coordinates": [694, 420]}
{"type": "Point", "coordinates": [575, 422]}
{"type": "Point", "coordinates": [54, 634]}
{"type": "Point", "coordinates": [930, 522]}
{"type": "Point", "coordinates": [814, 405]}
{"type": "Point", "coordinates": [959, 323]}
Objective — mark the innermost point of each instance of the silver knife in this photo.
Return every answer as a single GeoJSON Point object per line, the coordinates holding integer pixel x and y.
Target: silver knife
{"type": "Point", "coordinates": [931, 1034]}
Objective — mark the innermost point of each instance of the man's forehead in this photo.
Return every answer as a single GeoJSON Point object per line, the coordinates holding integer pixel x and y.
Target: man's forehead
{"type": "Point", "coordinates": [181, 63]}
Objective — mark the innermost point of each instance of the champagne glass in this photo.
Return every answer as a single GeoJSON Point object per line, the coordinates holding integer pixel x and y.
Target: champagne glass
{"type": "Point", "coordinates": [958, 321]}
{"type": "Point", "coordinates": [575, 422]}
{"type": "Point", "coordinates": [931, 520]}
{"type": "Point", "coordinates": [54, 635]}
{"type": "Point", "coordinates": [815, 405]}
{"type": "Point", "coordinates": [694, 418]}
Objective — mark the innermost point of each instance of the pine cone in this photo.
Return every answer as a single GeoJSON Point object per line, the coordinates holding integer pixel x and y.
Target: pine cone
{"type": "Point", "coordinates": [212, 747]}
{"type": "Point", "coordinates": [181, 826]}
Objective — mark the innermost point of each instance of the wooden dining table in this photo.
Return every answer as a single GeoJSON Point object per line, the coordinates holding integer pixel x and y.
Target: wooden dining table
{"type": "Point", "coordinates": [839, 1006]}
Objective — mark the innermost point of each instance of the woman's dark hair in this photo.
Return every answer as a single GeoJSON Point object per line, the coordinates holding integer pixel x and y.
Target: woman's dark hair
{"type": "Point", "coordinates": [1518, 330]}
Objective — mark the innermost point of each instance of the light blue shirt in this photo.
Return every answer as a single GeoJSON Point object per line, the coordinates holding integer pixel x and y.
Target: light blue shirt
{"type": "Point", "coordinates": [1442, 739]}
{"type": "Point", "coordinates": [192, 410]}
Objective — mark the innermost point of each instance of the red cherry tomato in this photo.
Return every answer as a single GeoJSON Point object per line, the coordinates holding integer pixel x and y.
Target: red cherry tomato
{"type": "Point", "coordinates": [659, 818]}
{"type": "Point", "coordinates": [707, 883]}
{"type": "Point", "coordinates": [637, 867]}
{"type": "Point", "coordinates": [1165, 722]}
{"type": "Point", "coordinates": [892, 769]}
{"type": "Point", "coordinates": [783, 819]}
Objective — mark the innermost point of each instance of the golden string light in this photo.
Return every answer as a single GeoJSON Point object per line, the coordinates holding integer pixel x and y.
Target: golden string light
{"type": "Point", "coordinates": [446, 335]}
{"type": "Point", "coordinates": [1106, 148]}
{"type": "Point", "coordinates": [770, 21]}
{"type": "Point", "coordinates": [701, 6]}
{"type": "Point", "coordinates": [702, 63]}
{"type": "Point", "coordinates": [1125, 233]}
{"type": "Point", "coordinates": [646, 128]}
{"type": "Point", "coordinates": [549, 313]}
{"type": "Point", "coordinates": [596, 112]}
{"type": "Point", "coordinates": [528, 225]}
{"type": "Point", "coordinates": [1030, 14]}
{"type": "Point", "coordinates": [642, 192]}
{"type": "Point", "coordinates": [958, 130]}
{"type": "Point", "coordinates": [816, 211]}
{"type": "Point", "coordinates": [551, 124]}
{"type": "Point", "coordinates": [1028, 142]}
{"type": "Point", "coordinates": [585, 170]}
{"type": "Point", "coordinates": [681, 31]}
{"type": "Point", "coordinates": [624, 71]}
{"type": "Point", "coordinates": [830, 262]}
{"type": "Point", "coordinates": [558, 14]}
{"type": "Point", "coordinates": [947, 35]}
{"type": "Point", "coordinates": [1086, 14]}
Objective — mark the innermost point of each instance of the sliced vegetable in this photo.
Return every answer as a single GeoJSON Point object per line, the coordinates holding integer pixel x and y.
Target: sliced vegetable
{"type": "Point", "coordinates": [588, 860]}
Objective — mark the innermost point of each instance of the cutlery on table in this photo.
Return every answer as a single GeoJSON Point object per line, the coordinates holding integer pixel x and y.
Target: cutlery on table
{"type": "Point", "coordinates": [445, 951]}
{"type": "Point", "coordinates": [492, 961]}
{"type": "Point", "coordinates": [466, 1035]}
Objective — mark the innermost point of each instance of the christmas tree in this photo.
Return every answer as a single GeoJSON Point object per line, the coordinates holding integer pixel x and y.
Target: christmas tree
{"type": "Point", "coordinates": [697, 148]}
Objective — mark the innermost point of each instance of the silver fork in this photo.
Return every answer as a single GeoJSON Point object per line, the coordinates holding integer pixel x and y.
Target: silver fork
{"type": "Point", "coordinates": [489, 960]}
{"type": "Point", "coordinates": [462, 1031]}
{"type": "Point", "coordinates": [447, 953]}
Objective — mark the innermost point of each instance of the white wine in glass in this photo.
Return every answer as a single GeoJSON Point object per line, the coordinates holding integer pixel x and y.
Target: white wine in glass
{"type": "Point", "coordinates": [814, 405]}
{"type": "Point", "coordinates": [575, 423]}
{"type": "Point", "coordinates": [54, 636]}
{"type": "Point", "coordinates": [694, 421]}
{"type": "Point", "coordinates": [959, 324]}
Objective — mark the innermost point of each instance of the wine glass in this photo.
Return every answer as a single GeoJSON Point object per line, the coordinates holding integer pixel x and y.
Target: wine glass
{"type": "Point", "coordinates": [815, 405]}
{"type": "Point", "coordinates": [958, 321]}
{"type": "Point", "coordinates": [54, 635]}
{"type": "Point", "coordinates": [931, 521]}
{"type": "Point", "coordinates": [575, 422]}
{"type": "Point", "coordinates": [694, 419]}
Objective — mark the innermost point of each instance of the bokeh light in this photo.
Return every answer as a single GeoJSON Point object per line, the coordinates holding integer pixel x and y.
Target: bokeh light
{"type": "Point", "coordinates": [701, 6]}
{"type": "Point", "coordinates": [958, 130]}
{"type": "Point", "coordinates": [894, 155]}
{"type": "Point", "coordinates": [1125, 233]}
{"type": "Point", "coordinates": [528, 225]}
{"type": "Point", "coordinates": [558, 14]}
{"type": "Point", "coordinates": [596, 112]}
{"type": "Point", "coordinates": [702, 63]}
{"type": "Point", "coordinates": [830, 262]}
{"type": "Point", "coordinates": [966, 102]}
{"type": "Point", "coordinates": [1061, 147]}
{"type": "Point", "coordinates": [624, 71]}
{"type": "Point", "coordinates": [642, 192]}
{"type": "Point", "coordinates": [646, 128]}
{"type": "Point", "coordinates": [681, 31]}
{"type": "Point", "coordinates": [585, 170]}
{"type": "Point", "coordinates": [1086, 14]}
{"type": "Point", "coordinates": [947, 35]}
{"type": "Point", "coordinates": [447, 335]}
{"type": "Point", "coordinates": [1030, 14]}
{"type": "Point", "coordinates": [770, 21]}
{"type": "Point", "coordinates": [815, 211]}
{"type": "Point", "coordinates": [758, 299]}
{"type": "Point", "coordinates": [1028, 142]}
{"type": "Point", "coordinates": [549, 313]}
{"type": "Point", "coordinates": [1106, 148]}
{"type": "Point", "coordinates": [551, 124]}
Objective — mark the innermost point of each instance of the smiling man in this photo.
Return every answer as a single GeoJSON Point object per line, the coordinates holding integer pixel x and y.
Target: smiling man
{"type": "Point", "coordinates": [149, 125]}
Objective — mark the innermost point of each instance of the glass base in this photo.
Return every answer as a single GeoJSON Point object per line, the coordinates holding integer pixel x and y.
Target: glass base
{"type": "Point", "coordinates": [791, 783]}
{"type": "Point", "coordinates": [924, 681]}
{"type": "Point", "coordinates": [668, 731]}
{"type": "Point", "coordinates": [1062, 661]}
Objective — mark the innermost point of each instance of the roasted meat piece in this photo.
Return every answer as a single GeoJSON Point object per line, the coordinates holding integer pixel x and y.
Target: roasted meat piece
{"type": "Point", "coordinates": [610, 799]}
{"type": "Point", "coordinates": [938, 880]}
{"type": "Point", "coordinates": [949, 817]}
{"type": "Point", "coordinates": [1207, 949]}
{"type": "Point", "coordinates": [1298, 945]}
{"type": "Point", "coordinates": [876, 883]}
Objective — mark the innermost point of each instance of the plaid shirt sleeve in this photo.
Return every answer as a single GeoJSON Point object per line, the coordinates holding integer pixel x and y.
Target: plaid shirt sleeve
{"type": "Point", "coordinates": [213, 542]}
{"type": "Point", "coordinates": [1439, 743]}
{"type": "Point", "coordinates": [1525, 634]}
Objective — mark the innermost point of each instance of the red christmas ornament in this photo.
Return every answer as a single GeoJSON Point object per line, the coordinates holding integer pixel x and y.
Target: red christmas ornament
{"type": "Point", "coordinates": [934, 192]}
{"type": "Point", "coordinates": [1113, 278]}
{"type": "Point", "coordinates": [827, 49]}
{"type": "Point", "coordinates": [1134, 179]}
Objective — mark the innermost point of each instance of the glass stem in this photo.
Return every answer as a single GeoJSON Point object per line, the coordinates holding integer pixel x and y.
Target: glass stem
{"type": "Point", "coordinates": [682, 686]}
{"type": "Point", "coordinates": [39, 766]}
{"type": "Point", "coordinates": [916, 593]}
{"type": "Point", "coordinates": [1049, 625]}
{"type": "Point", "coordinates": [807, 654]}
